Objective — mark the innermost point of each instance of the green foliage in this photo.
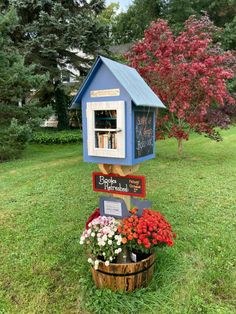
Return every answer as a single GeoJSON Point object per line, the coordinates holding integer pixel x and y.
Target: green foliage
{"type": "Point", "coordinates": [16, 79]}
{"type": "Point", "coordinates": [13, 140]}
{"type": "Point", "coordinates": [51, 33]}
{"type": "Point", "coordinates": [228, 37]}
{"type": "Point", "coordinates": [57, 137]}
{"type": "Point", "coordinates": [30, 114]}
{"type": "Point", "coordinates": [16, 125]}
{"type": "Point", "coordinates": [219, 11]}
{"type": "Point", "coordinates": [108, 15]}
{"type": "Point", "coordinates": [108, 18]}
{"type": "Point", "coordinates": [130, 25]}
{"type": "Point", "coordinates": [46, 197]}
{"type": "Point", "coordinates": [16, 83]}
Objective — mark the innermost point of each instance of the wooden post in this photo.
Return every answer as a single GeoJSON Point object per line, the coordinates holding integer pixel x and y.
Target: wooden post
{"type": "Point", "coordinates": [125, 170]}
{"type": "Point", "coordinates": [118, 169]}
{"type": "Point", "coordinates": [126, 198]}
{"type": "Point", "coordinates": [105, 168]}
{"type": "Point", "coordinates": [122, 171]}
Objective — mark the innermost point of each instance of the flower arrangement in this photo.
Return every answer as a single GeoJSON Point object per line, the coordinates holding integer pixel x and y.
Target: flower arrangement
{"type": "Point", "coordinates": [105, 237]}
{"type": "Point", "coordinates": [102, 240]}
{"type": "Point", "coordinates": [144, 233]}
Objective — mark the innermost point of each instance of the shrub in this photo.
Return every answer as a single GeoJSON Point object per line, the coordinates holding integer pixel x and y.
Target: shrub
{"type": "Point", "coordinates": [57, 137]}
{"type": "Point", "coordinates": [13, 140]}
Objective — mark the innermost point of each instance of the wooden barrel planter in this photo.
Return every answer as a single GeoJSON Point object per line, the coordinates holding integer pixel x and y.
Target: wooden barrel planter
{"type": "Point", "coordinates": [124, 277]}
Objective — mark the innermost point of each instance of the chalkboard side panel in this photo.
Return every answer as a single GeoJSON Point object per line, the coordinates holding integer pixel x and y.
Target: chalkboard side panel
{"type": "Point", "coordinates": [151, 153]}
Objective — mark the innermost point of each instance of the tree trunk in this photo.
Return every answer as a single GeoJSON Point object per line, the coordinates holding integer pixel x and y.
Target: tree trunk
{"type": "Point", "coordinates": [180, 146]}
{"type": "Point", "coordinates": [61, 104]}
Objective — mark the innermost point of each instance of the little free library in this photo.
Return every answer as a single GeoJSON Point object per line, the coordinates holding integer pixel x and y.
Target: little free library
{"type": "Point", "coordinates": [118, 118]}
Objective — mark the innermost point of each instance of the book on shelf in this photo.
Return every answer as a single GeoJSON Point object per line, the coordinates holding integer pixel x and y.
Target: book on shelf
{"type": "Point", "coordinates": [106, 140]}
{"type": "Point", "coordinates": [109, 141]}
{"type": "Point", "coordinates": [115, 141]}
{"type": "Point", "coordinates": [100, 141]}
{"type": "Point", "coordinates": [97, 139]}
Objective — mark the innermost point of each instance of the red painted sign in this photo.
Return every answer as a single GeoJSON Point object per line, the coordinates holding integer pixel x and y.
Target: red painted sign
{"type": "Point", "coordinates": [115, 184]}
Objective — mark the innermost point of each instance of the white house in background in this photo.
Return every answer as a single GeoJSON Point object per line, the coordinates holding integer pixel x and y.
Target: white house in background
{"type": "Point", "coordinates": [52, 122]}
{"type": "Point", "coordinates": [70, 75]}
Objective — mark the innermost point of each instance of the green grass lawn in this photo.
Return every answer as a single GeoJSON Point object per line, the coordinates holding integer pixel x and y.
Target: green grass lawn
{"type": "Point", "coordinates": [46, 196]}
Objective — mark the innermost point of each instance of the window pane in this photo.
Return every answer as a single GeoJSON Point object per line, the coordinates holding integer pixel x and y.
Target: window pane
{"type": "Point", "coordinates": [105, 119]}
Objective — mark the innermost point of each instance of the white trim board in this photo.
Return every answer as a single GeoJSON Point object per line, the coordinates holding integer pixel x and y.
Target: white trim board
{"type": "Point", "coordinates": [119, 106]}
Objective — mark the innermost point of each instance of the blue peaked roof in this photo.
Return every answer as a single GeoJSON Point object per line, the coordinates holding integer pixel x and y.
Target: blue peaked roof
{"type": "Point", "coordinates": [129, 78]}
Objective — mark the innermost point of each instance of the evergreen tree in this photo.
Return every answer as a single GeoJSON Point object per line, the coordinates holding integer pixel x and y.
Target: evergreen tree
{"type": "Point", "coordinates": [16, 83]}
{"type": "Point", "coordinates": [16, 79]}
{"type": "Point", "coordinates": [58, 34]}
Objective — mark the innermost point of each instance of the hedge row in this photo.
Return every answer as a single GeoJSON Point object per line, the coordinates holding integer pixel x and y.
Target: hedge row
{"type": "Point", "coordinates": [57, 137]}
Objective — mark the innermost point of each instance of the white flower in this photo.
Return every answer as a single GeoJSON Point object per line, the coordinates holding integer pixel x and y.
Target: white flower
{"type": "Point", "coordinates": [119, 250]}
{"type": "Point", "coordinates": [118, 237]}
{"type": "Point", "coordinates": [81, 242]}
{"type": "Point", "coordinates": [107, 263]}
{"type": "Point", "coordinates": [101, 242]}
{"type": "Point", "coordinates": [89, 224]}
{"type": "Point", "coordinates": [104, 253]}
{"type": "Point", "coordinates": [90, 260]}
{"type": "Point", "coordinates": [96, 263]}
{"type": "Point", "coordinates": [109, 242]}
{"type": "Point", "coordinates": [110, 258]}
{"type": "Point", "coordinates": [104, 237]}
{"type": "Point", "coordinates": [93, 234]}
{"type": "Point", "coordinates": [106, 230]}
{"type": "Point", "coordinates": [118, 243]}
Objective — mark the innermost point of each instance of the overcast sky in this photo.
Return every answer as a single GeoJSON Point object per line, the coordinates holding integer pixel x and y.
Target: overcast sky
{"type": "Point", "coordinates": [123, 3]}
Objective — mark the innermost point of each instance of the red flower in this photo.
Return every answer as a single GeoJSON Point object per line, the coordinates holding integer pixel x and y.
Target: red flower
{"type": "Point", "coordinates": [147, 231]}
{"type": "Point", "coordinates": [124, 240]}
{"type": "Point", "coordinates": [130, 237]}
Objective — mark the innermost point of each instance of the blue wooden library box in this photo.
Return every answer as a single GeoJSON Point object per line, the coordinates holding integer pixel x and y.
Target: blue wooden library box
{"type": "Point", "coordinates": [118, 114]}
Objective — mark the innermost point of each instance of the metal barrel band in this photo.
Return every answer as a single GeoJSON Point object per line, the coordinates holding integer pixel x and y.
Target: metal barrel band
{"type": "Point", "coordinates": [127, 274]}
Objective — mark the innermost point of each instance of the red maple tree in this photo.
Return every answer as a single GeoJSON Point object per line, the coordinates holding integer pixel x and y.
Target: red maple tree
{"type": "Point", "coordinates": [189, 72]}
